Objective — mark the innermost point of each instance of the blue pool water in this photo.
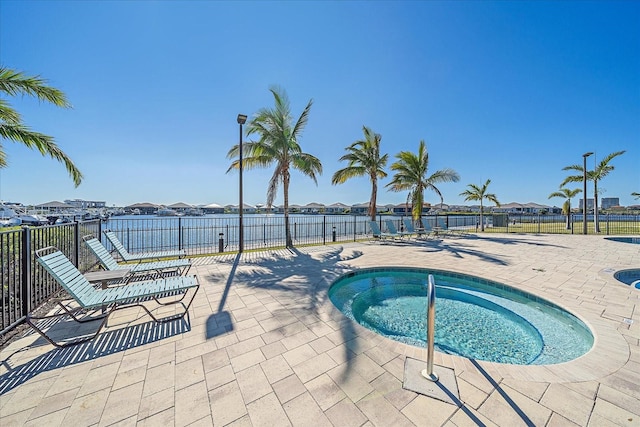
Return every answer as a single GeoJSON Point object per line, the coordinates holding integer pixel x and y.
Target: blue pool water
{"type": "Point", "coordinates": [475, 318]}
{"type": "Point", "coordinates": [629, 277]}
{"type": "Point", "coordinates": [635, 240]}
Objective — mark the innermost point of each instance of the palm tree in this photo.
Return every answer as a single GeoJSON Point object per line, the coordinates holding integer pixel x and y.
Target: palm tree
{"type": "Point", "coordinates": [478, 193]}
{"type": "Point", "coordinates": [364, 160]}
{"type": "Point", "coordinates": [566, 207]}
{"type": "Point", "coordinates": [602, 169]}
{"type": "Point", "coordinates": [13, 83]}
{"type": "Point", "coordinates": [411, 174]}
{"type": "Point", "coordinates": [636, 195]}
{"type": "Point", "coordinates": [279, 145]}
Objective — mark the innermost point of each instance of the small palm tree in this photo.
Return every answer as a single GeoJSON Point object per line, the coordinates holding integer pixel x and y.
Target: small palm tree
{"type": "Point", "coordinates": [364, 160]}
{"type": "Point", "coordinates": [477, 193]}
{"type": "Point", "coordinates": [602, 169]}
{"type": "Point", "coordinates": [13, 83]}
{"type": "Point", "coordinates": [411, 174]}
{"type": "Point", "coordinates": [279, 145]}
{"type": "Point", "coordinates": [566, 206]}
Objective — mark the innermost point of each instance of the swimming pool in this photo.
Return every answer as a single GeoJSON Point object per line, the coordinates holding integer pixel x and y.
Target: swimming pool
{"type": "Point", "coordinates": [475, 318]}
{"type": "Point", "coordinates": [629, 277]}
{"type": "Point", "coordinates": [635, 240]}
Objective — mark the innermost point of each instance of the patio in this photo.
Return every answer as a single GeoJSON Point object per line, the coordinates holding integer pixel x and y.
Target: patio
{"type": "Point", "coordinates": [263, 346]}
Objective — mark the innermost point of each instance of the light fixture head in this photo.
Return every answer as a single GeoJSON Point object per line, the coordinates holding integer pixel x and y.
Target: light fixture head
{"type": "Point", "coordinates": [242, 119]}
{"type": "Point", "coordinates": [585, 155]}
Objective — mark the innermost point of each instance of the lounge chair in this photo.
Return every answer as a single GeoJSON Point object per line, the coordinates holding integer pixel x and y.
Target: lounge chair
{"type": "Point", "coordinates": [140, 256]}
{"type": "Point", "coordinates": [377, 233]}
{"type": "Point", "coordinates": [89, 298]}
{"type": "Point", "coordinates": [448, 231]}
{"type": "Point", "coordinates": [391, 228]}
{"type": "Point", "coordinates": [420, 232]}
{"type": "Point", "coordinates": [161, 268]}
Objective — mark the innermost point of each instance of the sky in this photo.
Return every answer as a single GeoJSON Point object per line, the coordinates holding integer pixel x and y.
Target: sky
{"type": "Point", "coordinates": [507, 91]}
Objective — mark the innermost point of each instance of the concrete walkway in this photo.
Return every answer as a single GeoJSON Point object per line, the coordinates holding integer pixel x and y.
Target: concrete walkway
{"type": "Point", "coordinates": [263, 346]}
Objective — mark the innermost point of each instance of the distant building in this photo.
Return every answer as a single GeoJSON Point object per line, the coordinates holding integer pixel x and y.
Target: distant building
{"type": "Point", "coordinates": [589, 204]}
{"type": "Point", "coordinates": [86, 204]}
{"type": "Point", "coordinates": [406, 209]}
{"type": "Point", "coordinates": [144, 208]}
{"type": "Point", "coordinates": [609, 202]}
{"type": "Point", "coordinates": [213, 208]}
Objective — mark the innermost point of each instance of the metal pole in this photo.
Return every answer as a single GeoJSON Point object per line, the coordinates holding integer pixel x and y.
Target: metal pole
{"type": "Point", "coordinates": [241, 207]}
{"type": "Point", "coordinates": [241, 120]}
{"type": "Point", "coordinates": [584, 191]}
{"type": "Point", "coordinates": [431, 322]}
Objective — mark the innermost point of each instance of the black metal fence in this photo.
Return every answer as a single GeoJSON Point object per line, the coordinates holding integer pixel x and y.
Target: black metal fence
{"type": "Point", "coordinates": [25, 285]}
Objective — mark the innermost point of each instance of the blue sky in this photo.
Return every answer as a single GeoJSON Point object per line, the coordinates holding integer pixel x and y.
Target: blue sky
{"type": "Point", "coordinates": [507, 91]}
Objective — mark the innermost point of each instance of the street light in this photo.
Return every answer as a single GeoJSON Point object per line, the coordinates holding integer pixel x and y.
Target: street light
{"type": "Point", "coordinates": [584, 191]}
{"type": "Point", "coordinates": [241, 120]}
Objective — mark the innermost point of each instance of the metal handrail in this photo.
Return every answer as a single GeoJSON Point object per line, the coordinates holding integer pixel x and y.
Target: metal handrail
{"type": "Point", "coordinates": [431, 321]}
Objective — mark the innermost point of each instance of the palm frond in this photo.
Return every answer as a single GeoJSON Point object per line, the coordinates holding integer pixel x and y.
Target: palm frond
{"type": "Point", "coordinates": [43, 143]}
{"type": "Point", "coordinates": [16, 83]}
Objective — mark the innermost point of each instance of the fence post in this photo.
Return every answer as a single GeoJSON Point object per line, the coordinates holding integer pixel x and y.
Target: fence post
{"type": "Point", "coordinates": [538, 223]}
{"type": "Point", "coordinates": [354, 228]}
{"type": "Point", "coordinates": [221, 242]}
{"type": "Point", "coordinates": [76, 243]}
{"type": "Point", "coordinates": [333, 235]}
{"type": "Point", "coordinates": [324, 230]}
{"type": "Point", "coordinates": [607, 224]}
{"type": "Point", "coordinates": [25, 291]}
{"type": "Point", "coordinates": [179, 232]}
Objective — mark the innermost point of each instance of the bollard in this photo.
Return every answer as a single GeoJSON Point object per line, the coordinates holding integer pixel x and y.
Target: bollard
{"type": "Point", "coordinates": [333, 234]}
{"type": "Point", "coordinates": [431, 324]}
{"type": "Point", "coordinates": [221, 242]}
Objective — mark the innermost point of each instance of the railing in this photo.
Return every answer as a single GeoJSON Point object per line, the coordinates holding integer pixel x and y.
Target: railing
{"type": "Point", "coordinates": [25, 285]}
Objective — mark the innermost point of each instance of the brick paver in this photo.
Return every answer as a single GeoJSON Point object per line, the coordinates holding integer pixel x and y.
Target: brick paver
{"type": "Point", "coordinates": [268, 348]}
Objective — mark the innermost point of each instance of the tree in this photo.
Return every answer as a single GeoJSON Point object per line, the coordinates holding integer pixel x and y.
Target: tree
{"type": "Point", "coordinates": [601, 170]}
{"type": "Point", "coordinates": [278, 144]}
{"type": "Point", "coordinates": [478, 193]}
{"type": "Point", "coordinates": [411, 174]}
{"type": "Point", "coordinates": [636, 195]}
{"type": "Point", "coordinates": [13, 83]}
{"type": "Point", "coordinates": [364, 160]}
{"type": "Point", "coordinates": [566, 206]}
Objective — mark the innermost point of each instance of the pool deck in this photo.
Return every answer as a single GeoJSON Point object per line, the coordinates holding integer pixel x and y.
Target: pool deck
{"type": "Point", "coordinates": [263, 346]}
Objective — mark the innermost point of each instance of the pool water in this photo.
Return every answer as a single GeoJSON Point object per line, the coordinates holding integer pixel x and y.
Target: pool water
{"type": "Point", "coordinates": [629, 277]}
{"type": "Point", "coordinates": [475, 318]}
{"type": "Point", "coordinates": [634, 240]}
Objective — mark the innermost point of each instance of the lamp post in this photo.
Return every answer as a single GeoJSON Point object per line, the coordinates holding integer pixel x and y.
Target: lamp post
{"type": "Point", "coordinates": [241, 120]}
{"type": "Point", "coordinates": [584, 191]}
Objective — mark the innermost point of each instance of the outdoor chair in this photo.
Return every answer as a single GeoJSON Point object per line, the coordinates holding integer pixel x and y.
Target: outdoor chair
{"type": "Point", "coordinates": [377, 233]}
{"type": "Point", "coordinates": [91, 299]}
{"type": "Point", "coordinates": [420, 232]}
{"type": "Point", "coordinates": [391, 228]}
{"type": "Point", "coordinates": [140, 256]}
{"type": "Point", "coordinates": [160, 268]}
{"type": "Point", "coordinates": [446, 230]}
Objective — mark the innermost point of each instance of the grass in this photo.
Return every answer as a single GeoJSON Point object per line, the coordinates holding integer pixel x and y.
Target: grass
{"type": "Point", "coordinates": [606, 228]}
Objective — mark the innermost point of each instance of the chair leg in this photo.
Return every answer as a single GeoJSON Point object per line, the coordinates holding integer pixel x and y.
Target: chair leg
{"type": "Point", "coordinates": [42, 333]}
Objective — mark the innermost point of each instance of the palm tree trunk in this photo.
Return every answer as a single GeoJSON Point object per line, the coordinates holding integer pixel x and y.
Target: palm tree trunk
{"type": "Point", "coordinates": [372, 200]}
{"type": "Point", "coordinates": [285, 192]}
{"type": "Point", "coordinates": [481, 216]}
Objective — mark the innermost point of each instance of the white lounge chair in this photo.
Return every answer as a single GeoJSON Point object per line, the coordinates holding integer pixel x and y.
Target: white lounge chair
{"type": "Point", "coordinates": [391, 228]}
{"type": "Point", "coordinates": [139, 256]}
{"type": "Point", "coordinates": [161, 268]}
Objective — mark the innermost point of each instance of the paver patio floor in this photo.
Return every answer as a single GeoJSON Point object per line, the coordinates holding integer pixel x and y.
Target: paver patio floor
{"type": "Point", "coordinates": [263, 346]}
